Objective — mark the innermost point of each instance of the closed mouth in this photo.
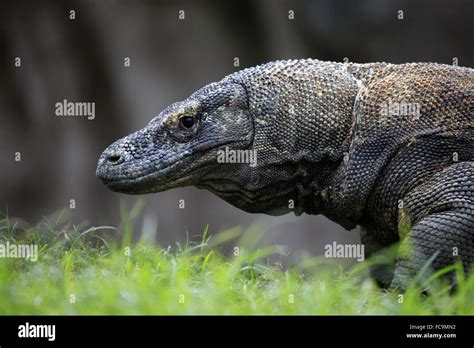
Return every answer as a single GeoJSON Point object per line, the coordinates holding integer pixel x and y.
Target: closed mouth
{"type": "Point", "coordinates": [102, 175]}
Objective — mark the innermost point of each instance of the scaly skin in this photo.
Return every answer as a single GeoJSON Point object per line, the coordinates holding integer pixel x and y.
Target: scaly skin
{"type": "Point", "coordinates": [324, 140]}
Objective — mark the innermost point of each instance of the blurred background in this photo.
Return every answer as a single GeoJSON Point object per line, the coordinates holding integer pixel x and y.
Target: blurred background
{"type": "Point", "coordinates": [82, 59]}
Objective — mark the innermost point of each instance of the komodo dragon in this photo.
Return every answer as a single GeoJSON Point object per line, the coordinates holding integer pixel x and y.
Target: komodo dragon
{"type": "Point", "coordinates": [377, 145]}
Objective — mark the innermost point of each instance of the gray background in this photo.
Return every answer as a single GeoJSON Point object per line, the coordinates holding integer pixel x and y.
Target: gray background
{"type": "Point", "coordinates": [82, 60]}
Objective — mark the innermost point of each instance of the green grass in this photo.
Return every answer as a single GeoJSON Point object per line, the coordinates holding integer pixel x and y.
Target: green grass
{"type": "Point", "coordinates": [107, 276]}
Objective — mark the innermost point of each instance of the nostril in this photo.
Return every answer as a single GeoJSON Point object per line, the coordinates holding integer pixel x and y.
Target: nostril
{"type": "Point", "coordinates": [113, 159]}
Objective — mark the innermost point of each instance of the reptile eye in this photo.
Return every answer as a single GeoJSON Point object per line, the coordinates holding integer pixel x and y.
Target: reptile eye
{"type": "Point", "coordinates": [187, 122]}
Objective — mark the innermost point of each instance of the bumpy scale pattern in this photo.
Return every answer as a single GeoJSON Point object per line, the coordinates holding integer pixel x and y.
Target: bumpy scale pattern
{"type": "Point", "coordinates": [378, 145]}
{"type": "Point", "coordinates": [407, 129]}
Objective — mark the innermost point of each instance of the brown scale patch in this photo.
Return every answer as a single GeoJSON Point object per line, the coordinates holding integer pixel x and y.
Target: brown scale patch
{"type": "Point", "coordinates": [441, 103]}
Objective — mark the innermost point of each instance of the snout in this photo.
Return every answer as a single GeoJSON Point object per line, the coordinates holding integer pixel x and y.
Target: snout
{"type": "Point", "coordinates": [107, 165]}
{"type": "Point", "coordinates": [122, 167]}
{"type": "Point", "coordinates": [122, 160]}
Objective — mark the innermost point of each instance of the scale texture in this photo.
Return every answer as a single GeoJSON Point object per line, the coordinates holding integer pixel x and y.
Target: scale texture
{"type": "Point", "coordinates": [384, 146]}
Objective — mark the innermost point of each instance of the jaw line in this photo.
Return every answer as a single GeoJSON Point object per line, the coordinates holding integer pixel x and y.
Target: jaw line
{"type": "Point", "coordinates": [144, 176]}
{"type": "Point", "coordinates": [163, 171]}
{"type": "Point", "coordinates": [173, 164]}
{"type": "Point", "coordinates": [152, 188]}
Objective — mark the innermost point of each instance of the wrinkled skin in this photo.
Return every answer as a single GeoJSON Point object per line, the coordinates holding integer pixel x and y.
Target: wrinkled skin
{"type": "Point", "coordinates": [323, 143]}
{"type": "Point", "coordinates": [169, 152]}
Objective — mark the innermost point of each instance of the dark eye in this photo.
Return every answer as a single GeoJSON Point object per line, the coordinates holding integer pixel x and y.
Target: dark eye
{"type": "Point", "coordinates": [187, 122]}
